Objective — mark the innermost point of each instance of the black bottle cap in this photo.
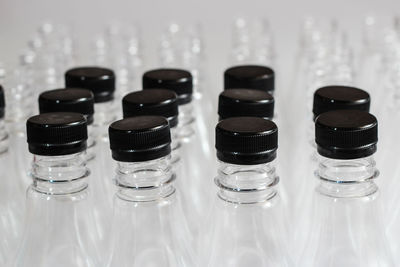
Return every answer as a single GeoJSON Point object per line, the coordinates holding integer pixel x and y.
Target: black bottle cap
{"type": "Point", "coordinates": [57, 133]}
{"type": "Point", "coordinates": [2, 103]}
{"type": "Point", "coordinates": [100, 81]}
{"type": "Point", "coordinates": [140, 138]}
{"type": "Point", "coordinates": [346, 134]}
{"type": "Point", "coordinates": [177, 80]}
{"type": "Point", "coordinates": [336, 97]}
{"type": "Point", "coordinates": [245, 103]}
{"type": "Point", "coordinates": [246, 140]}
{"type": "Point", "coordinates": [156, 102]}
{"type": "Point", "coordinates": [68, 100]}
{"type": "Point", "coordinates": [251, 77]}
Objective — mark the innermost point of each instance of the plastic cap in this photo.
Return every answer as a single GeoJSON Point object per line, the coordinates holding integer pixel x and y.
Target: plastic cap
{"type": "Point", "coordinates": [346, 134]}
{"type": "Point", "coordinates": [2, 103]}
{"type": "Point", "coordinates": [100, 81]}
{"type": "Point", "coordinates": [336, 97]}
{"type": "Point", "coordinates": [57, 133]}
{"type": "Point", "coordinates": [177, 80]}
{"type": "Point", "coordinates": [245, 102]}
{"type": "Point", "coordinates": [246, 140]}
{"type": "Point", "coordinates": [156, 102]}
{"type": "Point", "coordinates": [251, 77]}
{"type": "Point", "coordinates": [140, 138]}
{"type": "Point", "coordinates": [68, 100]}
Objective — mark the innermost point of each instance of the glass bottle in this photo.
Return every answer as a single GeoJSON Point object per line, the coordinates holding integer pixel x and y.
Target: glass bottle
{"type": "Point", "coordinates": [102, 82]}
{"type": "Point", "coordinates": [162, 102]}
{"type": "Point", "coordinates": [60, 229]}
{"type": "Point", "coordinates": [344, 227]}
{"type": "Point", "coordinates": [12, 190]}
{"type": "Point", "coordinates": [327, 98]}
{"type": "Point", "coordinates": [250, 77]}
{"type": "Point", "coordinates": [246, 226]}
{"type": "Point", "coordinates": [149, 228]}
{"type": "Point", "coordinates": [192, 132]}
{"type": "Point", "coordinates": [82, 101]}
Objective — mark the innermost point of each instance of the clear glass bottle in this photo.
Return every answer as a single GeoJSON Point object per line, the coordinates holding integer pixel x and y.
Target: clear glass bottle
{"type": "Point", "coordinates": [344, 227]}
{"type": "Point", "coordinates": [60, 229]}
{"type": "Point", "coordinates": [12, 191]}
{"type": "Point", "coordinates": [246, 226]}
{"type": "Point", "coordinates": [327, 98]}
{"type": "Point", "coordinates": [194, 138]}
{"type": "Point", "coordinates": [101, 82]}
{"type": "Point", "coordinates": [82, 101]}
{"type": "Point", "coordinates": [181, 82]}
{"type": "Point", "coordinates": [149, 228]}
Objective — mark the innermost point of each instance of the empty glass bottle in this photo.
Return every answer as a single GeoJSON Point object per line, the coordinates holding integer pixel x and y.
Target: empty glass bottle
{"type": "Point", "coordinates": [344, 226]}
{"type": "Point", "coordinates": [181, 82]}
{"type": "Point", "coordinates": [247, 224]}
{"type": "Point", "coordinates": [11, 194]}
{"type": "Point", "coordinates": [149, 228]}
{"type": "Point", "coordinates": [250, 77]}
{"type": "Point", "coordinates": [193, 134]}
{"type": "Point", "coordinates": [82, 101]}
{"type": "Point", "coordinates": [101, 82]}
{"type": "Point", "coordinates": [59, 226]}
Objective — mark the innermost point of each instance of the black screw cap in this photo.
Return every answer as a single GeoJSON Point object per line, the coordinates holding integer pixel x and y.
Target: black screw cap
{"type": "Point", "coordinates": [140, 138]}
{"type": "Point", "coordinates": [246, 140]}
{"type": "Point", "coordinates": [57, 133]}
{"type": "Point", "coordinates": [2, 103]}
{"type": "Point", "coordinates": [100, 81]}
{"type": "Point", "coordinates": [245, 103]}
{"type": "Point", "coordinates": [156, 102]}
{"type": "Point", "coordinates": [251, 77]}
{"type": "Point", "coordinates": [346, 134]}
{"type": "Point", "coordinates": [177, 80]}
{"type": "Point", "coordinates": [336, 97]}
{"type": "Point", "coordinates": [68, 100]}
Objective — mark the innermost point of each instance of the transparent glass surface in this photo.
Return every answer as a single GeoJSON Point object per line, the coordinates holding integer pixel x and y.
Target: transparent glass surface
{"type": "Point", "coordinates": [149, 228]}
{"type": "Point", "coordinates": [345, 226]}
{"type": "Point", "coordinates": [60, 229]}
{"type": "Point", "coordinates": [246, 226]}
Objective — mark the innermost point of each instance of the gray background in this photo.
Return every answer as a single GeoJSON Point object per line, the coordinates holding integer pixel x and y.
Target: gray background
{"type": "Point", "coordinates": [20, 18]}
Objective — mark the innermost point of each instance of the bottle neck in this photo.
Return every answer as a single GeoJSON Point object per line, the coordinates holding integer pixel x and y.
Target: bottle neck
{"type": "Point", "coordinates": [347, 178]}
{"type": "Point", "coordinates": [175, 145]}
{"type": "Point", "coordinates": [145, 181]}
{"type": "Point", "coordinates": [91, 143]}
{"type": "Point", "coordinates": [3, 137]}
{"type": "Point", "coordinates": [247, 184]}
{"type": "Point", "coordinates": [59, 175]}
{"type": "Point", "coordinates": [186, 120]}
{"type": "Point", "coordinates": [105, 113]}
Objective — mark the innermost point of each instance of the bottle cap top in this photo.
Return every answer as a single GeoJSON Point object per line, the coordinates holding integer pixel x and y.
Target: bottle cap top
{"type": "Point", "coordinates": [346, 134]}
{"type": "Point", "coordinates": [156, 102]}
{"type": "Point", "coordinates": [251, 77]}
{"type": "Point", "coordinates": [57, 133]}
{"type": "Point", "coordinates": [140, 138]}
{"type": "Point", "coordinates": [336, 97]}
{"type": "Point", "coordinates": [177, 80]}
{"type": "Point", "coordinates": [100, 81]}
{"type": "Point", "coordinates": [245, 103]}
{"type": "Point", "coordinates": [68, 100]}
{"type": "Point", "coordinates": [246, 140]}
